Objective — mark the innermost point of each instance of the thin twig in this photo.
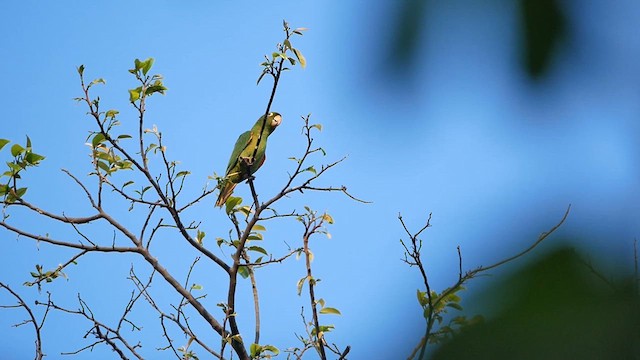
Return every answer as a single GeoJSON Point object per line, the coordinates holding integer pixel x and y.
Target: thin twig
{"type": "Point", "coordinates": [540, 239]}
{"type": "Point", "coordinates": [32, 319]}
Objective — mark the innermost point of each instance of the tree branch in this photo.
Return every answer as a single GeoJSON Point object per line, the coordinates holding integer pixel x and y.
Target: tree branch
{"type": "Point", "coordinates": [32, 319]}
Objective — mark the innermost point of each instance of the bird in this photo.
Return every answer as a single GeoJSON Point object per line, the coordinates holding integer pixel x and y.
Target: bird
{"type": "Point", "coordinates": [243, 163]}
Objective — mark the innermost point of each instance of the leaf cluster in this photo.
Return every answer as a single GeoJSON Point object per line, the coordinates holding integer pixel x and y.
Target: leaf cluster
{"type": "Point", "coordinates": [23, 158]}
{"type": "Point", "coordinates": [274, 65]}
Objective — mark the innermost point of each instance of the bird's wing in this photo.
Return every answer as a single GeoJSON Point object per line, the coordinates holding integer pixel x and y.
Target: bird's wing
{"type": "Point", "coordinates": [243, 141]}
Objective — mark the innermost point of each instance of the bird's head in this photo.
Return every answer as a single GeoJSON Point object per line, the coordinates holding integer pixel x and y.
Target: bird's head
{"type": "Point", "coordinates": [274, 119]}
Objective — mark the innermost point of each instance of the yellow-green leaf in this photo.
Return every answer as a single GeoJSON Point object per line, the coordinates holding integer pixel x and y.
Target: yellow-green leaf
{"type": "Point", "coordinates": [112, 113]}
{"type": "Point", "coordinates": [146, 65]}
{"type": "Point", "coordinates": [258, 227]}
{"type": "Point", "coordinates": [301, 284]}
{"type": "Point", "coordinates": [16, 149]}
{"type": "Point", "coordinates": [330, 310]}
{"type": "Point", "coordinates": [301, 58]}
{"type": "Point", "coordinates": [3, 142]}
{"type": "Point", "coordinates": [134, 95]}
{"type": "Point", "coordinates": [326, 217]}
{"type": "Point", "coordinates": [231, 203]}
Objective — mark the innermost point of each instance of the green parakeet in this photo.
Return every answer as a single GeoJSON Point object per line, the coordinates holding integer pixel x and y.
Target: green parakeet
{"type": "Point", "coordinates": [240, 165]}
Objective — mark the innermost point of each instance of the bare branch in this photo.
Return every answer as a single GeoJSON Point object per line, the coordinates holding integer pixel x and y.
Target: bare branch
{"type": "Point", "coordinates": [543, 236]}
{"type": "Point", "coordinates": [102, 332]}
{"type": "Point", "coordinates": [67, 244]}
{"type": "Point", "coordinates": [412, 257]}
{"type": "Point", "coordinates": [204, 194]}
{"type": "Point", "coordinates": [132, 199]}
{"type": "Point", "coordinates": [32, 319]}
{"type": "Point", "coordinates": [62, 218]}
{"type": "Point", "coordinates": [275, 260]}
{"type": "Point", "coordinates": [84, 188]}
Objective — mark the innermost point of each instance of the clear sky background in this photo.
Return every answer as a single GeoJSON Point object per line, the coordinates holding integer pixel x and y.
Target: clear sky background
{"type": "Point", "coordinates": [465, 135]}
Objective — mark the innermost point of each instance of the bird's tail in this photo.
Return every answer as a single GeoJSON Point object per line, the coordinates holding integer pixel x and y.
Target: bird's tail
{"type": "Point", "coordinates": [225, 191]}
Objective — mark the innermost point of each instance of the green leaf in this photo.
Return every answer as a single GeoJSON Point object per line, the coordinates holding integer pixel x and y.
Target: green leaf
{"type": "Point", "coordinates": [271, 348]}
{"type": "Point", "coordinates": [455, 306]}
{"type": "Point", "coordinates": [256, 236]}
{"type": "Point", "coordinates": [102, 165]}
{"type": "Point", "coordinates": [3, 142]}
{"type": "Point", "coordinates": [200, 236]}
{"type": "Point", "coordinates": [124, 136]}
{"type": "Point", "coordinates": [130, 182]}
{"type": "Point", "coordinates": [255, 350]}
{"type": "Point", "coordinates": [125, 165]}
{"type": "Point", "coordinates": [317, 126]}
{"type": "Point", "coordinates": [243, 271]}
{"type": "Point", "coordinates": [287, 44]}
{"type": "Point", "coordinates": [146, 65]}
{"type": "Point", "coordinates": [33, 158]}
{"type": "Point", "coordinates": [422, 298]}
{"type": "Point", "coordinates": [258, 227]}
{"type": "Point", "coordinates": [16, 150]}
{"type": "Point", "coordinates": [15, 168]}
{"type": "Point", "coordinates": [112, 113]}
{"type": "Point", "coordinates": [80, 69]}
{"type": "Point", "coordinates": [182, 173]}
{"type": "Point", "coordinates": [28, 143]}
{"type": "Point", "coordinates": [20, 192]}
{"type": "Point", "coordinates": [330, 310]}
{"type": "Point", "coordinates": [323, 328]}
{"type": "Point", "coordinates": [246, 210]}
{"type": "Point", "coordinates": [151, 147]}
{"type": "Point", "coordinates": [231, 203]}
{"type": "Point", "coordinates": [301, 58]}
{"type": "Point", "coordinates": [196, 287]}
{"type": "Point", "coordinates": [258, 249]}
{"type": "Point", "coordinates": [301, 284]}
{"type": "Point", "coordinates": [97, 139]}
{"type": "Point", "coordinates": [134, 95]}
{"type": "Point", "coordinates": [97, 81]}
{"type": "Point", "coordinates": [219, 241]}
{"type": "Point", "coordinates": [155, 88]}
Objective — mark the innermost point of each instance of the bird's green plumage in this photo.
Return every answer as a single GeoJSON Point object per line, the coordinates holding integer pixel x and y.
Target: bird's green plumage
{"type": "Point", "coordinates": [243, 152]}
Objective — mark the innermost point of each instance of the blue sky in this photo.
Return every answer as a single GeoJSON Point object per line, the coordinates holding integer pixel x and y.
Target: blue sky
{"type": "Point", "coordinates": [467, 137]}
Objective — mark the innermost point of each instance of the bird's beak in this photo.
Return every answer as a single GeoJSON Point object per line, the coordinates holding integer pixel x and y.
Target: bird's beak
{"type": "Point", "coordinates": [276, 120]}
